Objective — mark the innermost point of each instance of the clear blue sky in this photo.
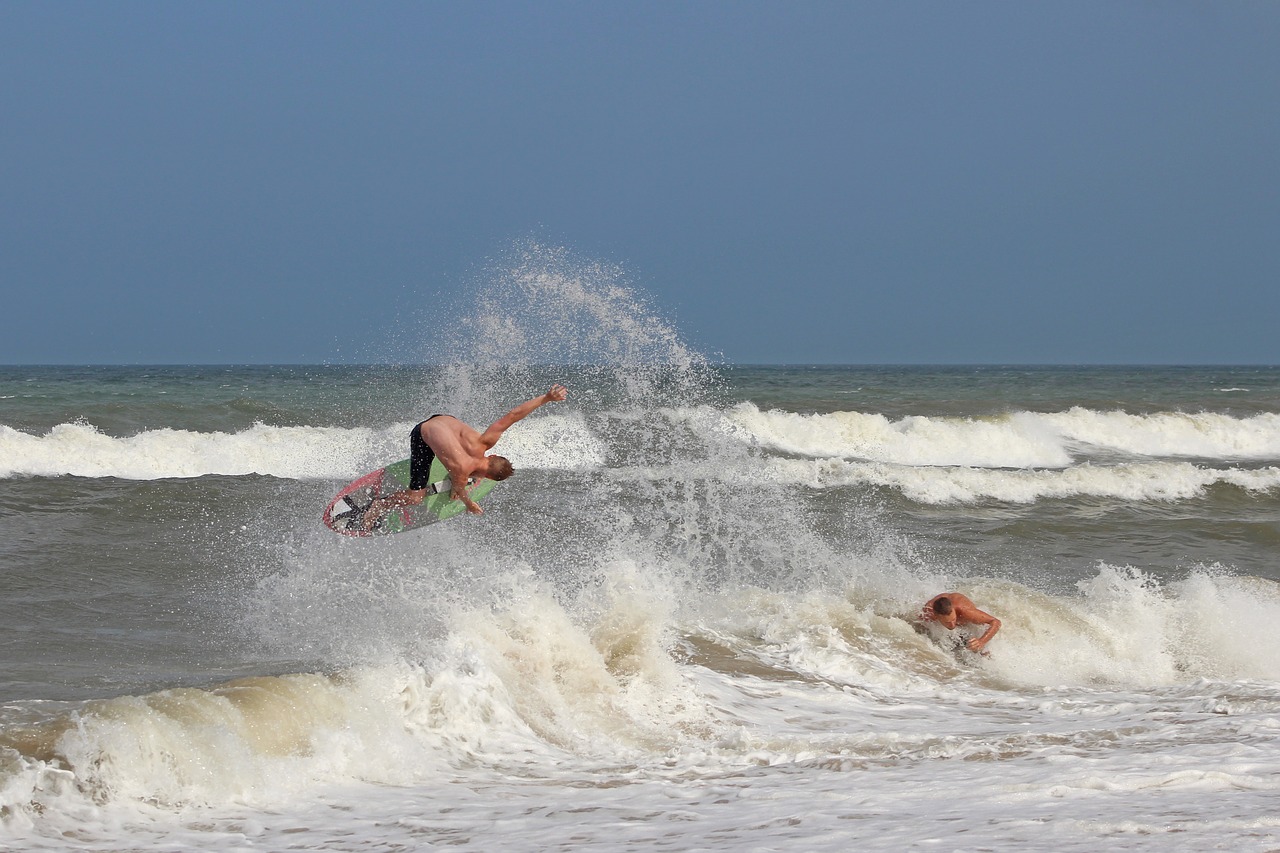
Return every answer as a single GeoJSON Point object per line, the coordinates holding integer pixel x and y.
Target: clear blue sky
{"type": "Point", "coordinates": [851, 182]}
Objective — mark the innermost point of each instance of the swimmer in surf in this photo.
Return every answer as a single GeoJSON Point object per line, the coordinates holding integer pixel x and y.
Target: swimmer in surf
{"type": "Point", "coordinates": [952, 609]}
{"type": "Point", "coordinates": [461, 449]}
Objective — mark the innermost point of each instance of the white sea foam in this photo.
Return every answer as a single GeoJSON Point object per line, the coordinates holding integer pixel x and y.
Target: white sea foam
{"type": "Point", "coordinates": [82, 450]}
{"type": "Point", "coordinates": [566, 442]}
{"type": "Point", "coordinates": [1124, 630]}
{"type": "Point", "coordinates": [1012, 441]}
{"type": "Point", "coordinates": [1131, 481]}
{"type": "Point", "coordinates": [523, 689]}
{"type": "Point", "coordinates": [714, 708]}
{"type": "Point", "coordinates": [300, 453]}
{"type": "Point", "coordinates": [1135, 481]}
{"type": "Point", "coordinates": [1018, 440]}
{"type": "Point", "coordinates": [1204, 434]}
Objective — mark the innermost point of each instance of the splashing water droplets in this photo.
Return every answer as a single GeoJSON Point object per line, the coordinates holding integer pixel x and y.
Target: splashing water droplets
{"type": "Point", "coordinates": [538, 310]}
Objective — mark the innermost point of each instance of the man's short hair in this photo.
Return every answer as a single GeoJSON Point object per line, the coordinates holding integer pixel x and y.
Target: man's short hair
{"type": "Point", "coordinates": [942, 606]}
{"type": "Point", "coordinates": [500, 468]}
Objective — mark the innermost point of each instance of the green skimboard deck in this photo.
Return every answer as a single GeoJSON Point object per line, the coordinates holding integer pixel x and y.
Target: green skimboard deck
{"type": "Point", "coordinates": [345, 513]}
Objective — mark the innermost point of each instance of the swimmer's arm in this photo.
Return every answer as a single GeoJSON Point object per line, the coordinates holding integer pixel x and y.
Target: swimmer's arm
{"type": "Point", "coordinates": [490, 436]}
{"type": "Point", "coordinates": [977, 617]}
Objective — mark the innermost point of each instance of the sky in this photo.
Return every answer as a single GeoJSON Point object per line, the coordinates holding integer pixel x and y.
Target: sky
{"type": "Point", "coordinates": [897, 182]}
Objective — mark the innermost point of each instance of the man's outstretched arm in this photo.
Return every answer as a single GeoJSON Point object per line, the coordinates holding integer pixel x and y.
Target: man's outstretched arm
{"type": "Point", "coordinates": [491, 435]}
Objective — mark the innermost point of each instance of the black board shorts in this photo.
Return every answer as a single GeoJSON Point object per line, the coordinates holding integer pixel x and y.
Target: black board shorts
{"type": "Point", "coordinates": [420, 458]}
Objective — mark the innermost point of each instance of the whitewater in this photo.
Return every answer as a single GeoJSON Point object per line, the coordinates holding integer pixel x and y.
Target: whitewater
{"type": "Point", "coordinates": [1021, 457]}
{"type": "Point", "coordinates": [686, 623]}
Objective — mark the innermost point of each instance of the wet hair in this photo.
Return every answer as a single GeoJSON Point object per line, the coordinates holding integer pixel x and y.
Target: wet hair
{"type": "Point", "coordinates": [942, 606]}
{"type": "Point", "coordinates": [500, 468]}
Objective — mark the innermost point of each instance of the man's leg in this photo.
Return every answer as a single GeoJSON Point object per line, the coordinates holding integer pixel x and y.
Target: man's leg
{"type": "Point", "coordinates": [379, 507]}
{"type": "Point", "coordinates": [420, 458]}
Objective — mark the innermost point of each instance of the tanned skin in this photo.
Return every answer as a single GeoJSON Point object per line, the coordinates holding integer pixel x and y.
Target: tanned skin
{"type": "Point", "coordinates": [952, 608]}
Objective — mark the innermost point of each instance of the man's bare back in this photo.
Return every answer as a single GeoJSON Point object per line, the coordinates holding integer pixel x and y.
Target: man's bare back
{"type": "Point", "coordinates": [457, 445]}
{"type": "Point", "coordinates": [951, 609]}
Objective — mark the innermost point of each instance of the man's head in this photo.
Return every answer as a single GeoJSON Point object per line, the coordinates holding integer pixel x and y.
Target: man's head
{"type": "Point", "coordinates": [499, 467]}
{"type": "Point", "coordinates": [943, 613]}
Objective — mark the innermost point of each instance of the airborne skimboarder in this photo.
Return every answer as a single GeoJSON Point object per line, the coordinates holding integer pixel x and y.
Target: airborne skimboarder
{"type": "Point", "coordinates": [461, 450]}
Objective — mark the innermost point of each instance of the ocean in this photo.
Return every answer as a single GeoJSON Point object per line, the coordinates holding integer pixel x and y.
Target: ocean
{"type": "Point", "coordinates": [685, 624]}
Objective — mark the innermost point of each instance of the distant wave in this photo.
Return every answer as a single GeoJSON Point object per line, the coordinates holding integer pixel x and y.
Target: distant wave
{"type": "Point", "coordinates": [298, 453]}
{"type": "Point", "coordinates": [1017, 440]}
{"type": "Point", "coordinates": [1133, 481]}
{"type": "Point", "coordinates": [1017, 458]}
{"type": "Point", "coordinates": [81, 450]}
{"type": "Point", "coordinates": [938, 485]}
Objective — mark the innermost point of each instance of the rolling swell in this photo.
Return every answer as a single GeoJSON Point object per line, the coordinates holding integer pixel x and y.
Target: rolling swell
{"type": "Point", "coordinates": [1019, 458]}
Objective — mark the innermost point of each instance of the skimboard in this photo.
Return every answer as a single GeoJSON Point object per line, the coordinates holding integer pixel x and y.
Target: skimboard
{"type": "Point", "coordinates": [345, 513]}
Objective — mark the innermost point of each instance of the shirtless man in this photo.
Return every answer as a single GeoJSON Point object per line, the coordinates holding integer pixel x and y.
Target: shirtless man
{"type": "Point", "coordinates": [951, 609]}
{"type": "Point", "coordinates": [462, 452]}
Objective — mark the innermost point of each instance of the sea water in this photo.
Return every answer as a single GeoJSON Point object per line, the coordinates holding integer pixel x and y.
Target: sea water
{"type": "Point", "coordinates": [685, 624]}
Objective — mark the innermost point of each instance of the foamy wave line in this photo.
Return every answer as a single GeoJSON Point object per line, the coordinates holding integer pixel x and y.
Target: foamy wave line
{"type": "Point", "coordinates": [297, 453]}
{"type": "Point", "coordinates": [1123, 628]}
{"type": "Point", "coordinates": [1134, 481]}
{"type": "Point", "coordinates": [532, 687]}
{"type": "Point", "coordinates": [1129, 481]}
{"type": "Point", "coordinates": [1017, 440]}
{"type": "Point", "coordinates": [1206, 435]}
{"type": "Point", "coordinates": [524, 682]}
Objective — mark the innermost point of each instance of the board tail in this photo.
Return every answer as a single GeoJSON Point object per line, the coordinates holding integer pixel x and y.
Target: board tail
{"type": "Point", "coordinates": [346, 513]}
